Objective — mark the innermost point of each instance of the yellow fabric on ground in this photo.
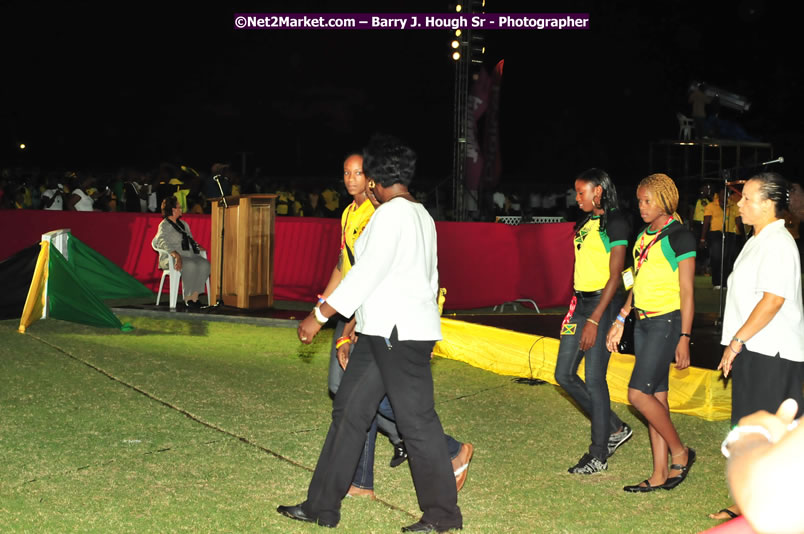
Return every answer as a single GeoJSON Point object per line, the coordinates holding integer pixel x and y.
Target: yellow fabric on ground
{"type": "Point", "coordinates": [35, 302]}
{"type": "Point", "coordinates": [693, 391]}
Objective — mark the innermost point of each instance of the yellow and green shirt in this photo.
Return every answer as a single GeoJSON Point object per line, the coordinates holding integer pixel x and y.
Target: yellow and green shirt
{"type": "Point", "coordinates": [593, 249]}
{"type": "Point", "coordinates": [656, 287]}
{"type": "Point", "coordinates": [353, 220]}
{"type": "Point", "coordinates": [714, 210]}
{"type": "Point", "coordinates": [700, 206]}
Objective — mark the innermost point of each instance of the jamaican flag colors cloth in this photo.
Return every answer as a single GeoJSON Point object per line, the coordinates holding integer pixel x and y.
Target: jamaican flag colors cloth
{"type": "Point", "coordinates": [73, 289]}
{"type": "Point", "coordinates": [693, 391]}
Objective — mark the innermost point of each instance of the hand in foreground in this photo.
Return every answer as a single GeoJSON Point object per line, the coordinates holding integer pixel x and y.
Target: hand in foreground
{"type": "Point", "coordinates": [726, 361]}
{"type": "Point", "coordinates": [613, 337]}
{"type": "Point", "coordinates": [308, 328]}
{"type": "Point", "coordinates": [588, 336]}
{"type": "Point", "coordinates": [777, 424]}
{"type": "Point", "coordinates": [177, 262]}
{"type": "Point", "coordinates": [683, 353]}
{"type": "Point", "coordinates": [343, 355]}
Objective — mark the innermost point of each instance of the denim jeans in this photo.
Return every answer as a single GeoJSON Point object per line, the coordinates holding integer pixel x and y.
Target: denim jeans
{"type": "Point", "coordinates": [591, 395]}
{"type": "Point", "coordinates": [655, 342]}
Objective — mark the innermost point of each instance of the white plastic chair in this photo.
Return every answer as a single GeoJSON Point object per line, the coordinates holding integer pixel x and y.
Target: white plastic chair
{"type": "Point", "coordinates": [685, 125]}
{"type": "Point", "coordinates": [175, 277]}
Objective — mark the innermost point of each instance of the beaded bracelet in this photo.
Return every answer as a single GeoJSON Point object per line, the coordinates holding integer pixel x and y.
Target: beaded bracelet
{"type": "Point", "coordinates": [621, 319]}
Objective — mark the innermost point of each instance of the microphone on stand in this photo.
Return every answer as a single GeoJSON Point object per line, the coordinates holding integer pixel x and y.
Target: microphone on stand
{"type": "Point", "coordinates": [222, 203]}
{"type": "Point", "coordinates": [780, 159]}
{"type": "Point", "coordinates": [217, 179]}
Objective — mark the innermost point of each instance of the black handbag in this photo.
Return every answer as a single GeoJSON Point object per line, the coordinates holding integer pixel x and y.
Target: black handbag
{"type": "Point", "coordinates": [626, 345]}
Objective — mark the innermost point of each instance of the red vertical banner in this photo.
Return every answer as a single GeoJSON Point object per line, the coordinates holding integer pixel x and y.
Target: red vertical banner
{"type": "Point", "coordinates": [491, 139]}
{"type": "Point", "coordinates": [483, 160]}
{"type": "Point", "coordinates": [478, 103]}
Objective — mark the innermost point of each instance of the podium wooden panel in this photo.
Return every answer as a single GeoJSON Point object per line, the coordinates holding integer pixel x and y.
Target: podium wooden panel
{"type": "Point", "coordinates": [248, 251]}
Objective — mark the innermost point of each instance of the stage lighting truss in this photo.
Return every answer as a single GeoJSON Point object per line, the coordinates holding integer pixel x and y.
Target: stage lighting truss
{"type": "Point", "coordinates": [466, 43]}
{"type": "Point", "coordinates": [478, 48]}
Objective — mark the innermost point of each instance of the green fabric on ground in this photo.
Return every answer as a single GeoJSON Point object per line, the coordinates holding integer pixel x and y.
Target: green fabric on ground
{"type": "Point", "coordinates": [71, 299]}
{"type": "Point", "coordinates": [107, 280]}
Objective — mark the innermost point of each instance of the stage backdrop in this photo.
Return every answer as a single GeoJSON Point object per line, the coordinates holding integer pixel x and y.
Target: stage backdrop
{"type": "Point", "coordinates": [480, 264]}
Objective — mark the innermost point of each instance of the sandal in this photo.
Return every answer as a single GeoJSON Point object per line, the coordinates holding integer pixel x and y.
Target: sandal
{"type": "Point", "coordinates": [639, 488]}
{"type": "Point", "coordinates": [672, 482]}
{"type": "Point", "coordinates": [726, 511]}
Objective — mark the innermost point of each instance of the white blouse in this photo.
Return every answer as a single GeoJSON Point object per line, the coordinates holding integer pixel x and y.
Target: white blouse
{"type": "Point", "coordinates": [768, 263]}
{"type": "Point", "coordinates": [394, 281]}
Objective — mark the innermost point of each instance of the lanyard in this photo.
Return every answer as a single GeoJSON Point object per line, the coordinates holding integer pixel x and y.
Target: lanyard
{"type": "Point", "coordinates": [571, 312]}
{"type": "Point", "coordinates": [643, 255]}
{"type": "Point", "coordinates": [352, 207]}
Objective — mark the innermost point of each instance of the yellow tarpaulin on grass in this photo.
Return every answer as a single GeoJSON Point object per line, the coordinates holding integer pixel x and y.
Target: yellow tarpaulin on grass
{"type": "Point", "coordinates": [35, 303]}
{"type": "Point", "coordinates": [693, 391]}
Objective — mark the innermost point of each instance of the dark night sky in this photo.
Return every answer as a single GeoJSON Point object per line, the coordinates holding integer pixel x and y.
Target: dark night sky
{"type": "Point", "coordinates": [90, 88]}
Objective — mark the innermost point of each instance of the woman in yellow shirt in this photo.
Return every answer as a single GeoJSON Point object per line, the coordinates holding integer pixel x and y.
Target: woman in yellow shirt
{"type": "Point", "coordinates": [662, 295]}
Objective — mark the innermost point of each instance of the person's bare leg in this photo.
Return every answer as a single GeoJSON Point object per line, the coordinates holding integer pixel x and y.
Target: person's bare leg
{"type": "Point", "coordinates": [658, 448]}
{"type": "Point", "coordinates": [679, 455]}
{"type": "Point", "coordinates": [663, 435]}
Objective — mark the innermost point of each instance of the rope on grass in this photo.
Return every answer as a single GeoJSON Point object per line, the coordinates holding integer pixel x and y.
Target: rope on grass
{"type": "Point", "coordinates": [167, 404]}
{"type": "Point", "coordinates": [194, 418]}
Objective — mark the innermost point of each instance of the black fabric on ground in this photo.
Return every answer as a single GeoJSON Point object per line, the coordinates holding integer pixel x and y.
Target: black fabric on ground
{"type": "Point", "coordinates": [15, 279]}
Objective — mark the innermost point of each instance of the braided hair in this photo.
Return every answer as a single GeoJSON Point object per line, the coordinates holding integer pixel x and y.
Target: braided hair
{"type": "Point", "coordinates": [774, 187]}
{"type": "Point", "coordinates": [665, 191]}
{"type": "Point", "coordinates": [608, 200]}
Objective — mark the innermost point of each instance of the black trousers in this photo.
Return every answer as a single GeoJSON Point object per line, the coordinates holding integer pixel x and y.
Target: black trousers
{"type": "Point", "coordinates": [401, 371]}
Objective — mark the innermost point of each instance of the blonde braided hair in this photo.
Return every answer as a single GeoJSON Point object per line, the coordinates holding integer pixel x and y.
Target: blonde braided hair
{"type": "Point", "coordinates": [665, 191]}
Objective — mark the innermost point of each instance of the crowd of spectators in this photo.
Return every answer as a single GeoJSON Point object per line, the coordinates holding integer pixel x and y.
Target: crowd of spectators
{"type": "Point", "coordinates": [133, 190]}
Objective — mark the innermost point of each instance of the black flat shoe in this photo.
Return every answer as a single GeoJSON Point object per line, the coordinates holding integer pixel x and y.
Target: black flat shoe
{"type": "Point", "coordinates": [296, 512]}
{"type": "Point", "coordinates": [641, 489]}
{"type": "Point", "coordinates": [400, 454]}
{"type": "Point", "coordinates": [423, 526]}
{"type": "Point", "coordinates": [672, 482]}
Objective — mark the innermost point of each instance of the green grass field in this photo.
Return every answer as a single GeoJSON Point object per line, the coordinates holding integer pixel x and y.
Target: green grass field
{"type": "Point", "coordinates": [192, 426]}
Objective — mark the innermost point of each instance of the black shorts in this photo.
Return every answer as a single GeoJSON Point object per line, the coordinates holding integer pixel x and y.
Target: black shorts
{"type": "Point", "coordinates": [655, 342]}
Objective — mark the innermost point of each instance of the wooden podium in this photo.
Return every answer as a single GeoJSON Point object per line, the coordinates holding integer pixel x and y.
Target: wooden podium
{"type": "Point", "coordinates": [248, 251]}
